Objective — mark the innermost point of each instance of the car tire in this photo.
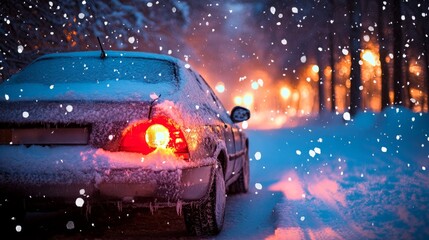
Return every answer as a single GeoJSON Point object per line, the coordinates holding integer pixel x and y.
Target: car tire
{"type": "Point", "coordinates": [206, 218]}
{"type": "Point", "coordinates": [241, 185]}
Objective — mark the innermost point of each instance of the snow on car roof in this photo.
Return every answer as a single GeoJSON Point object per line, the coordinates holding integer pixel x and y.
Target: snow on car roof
{"type": "Point", "coordinates": [129, 54]}
{"type": "Point", "coordinates": [85, 76]}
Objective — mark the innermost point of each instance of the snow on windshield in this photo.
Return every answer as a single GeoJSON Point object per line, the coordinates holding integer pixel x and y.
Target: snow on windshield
{"type": "Point", "coordinates": [112, 78]}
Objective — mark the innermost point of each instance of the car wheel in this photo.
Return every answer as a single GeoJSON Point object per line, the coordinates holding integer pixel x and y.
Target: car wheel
{"type": "Point", "coordinates": [206, 218]}
{"type": "Point", "coordinates": [241, 185]}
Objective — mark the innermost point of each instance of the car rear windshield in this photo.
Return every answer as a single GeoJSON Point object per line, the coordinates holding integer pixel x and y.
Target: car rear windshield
{"type": "Point", "coordinates": [96, 70]}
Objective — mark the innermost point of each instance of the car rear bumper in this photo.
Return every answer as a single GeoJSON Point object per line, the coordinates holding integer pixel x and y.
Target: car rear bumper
{"type": "Point", "coordinates": [183, 184]}
{"type": "Point", "coordinates": [128, 185]}
{"type": "Point", "coordinates": [95, 178]}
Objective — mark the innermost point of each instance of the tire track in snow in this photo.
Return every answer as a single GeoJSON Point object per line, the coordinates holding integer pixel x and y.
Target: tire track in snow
{"type": "Point", "coordinates": [311, 219]}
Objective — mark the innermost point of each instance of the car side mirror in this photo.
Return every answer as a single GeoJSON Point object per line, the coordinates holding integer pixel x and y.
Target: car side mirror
{"type": "Point", "coordinates": [240, 114]}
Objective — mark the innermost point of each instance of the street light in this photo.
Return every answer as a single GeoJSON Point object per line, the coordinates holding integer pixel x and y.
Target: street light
{"type": "Point", "coordinates": [285, 92]}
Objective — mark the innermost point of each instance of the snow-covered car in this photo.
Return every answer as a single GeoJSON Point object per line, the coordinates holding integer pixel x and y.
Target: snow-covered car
{"type": "Point", "coordinates": [125, 129]}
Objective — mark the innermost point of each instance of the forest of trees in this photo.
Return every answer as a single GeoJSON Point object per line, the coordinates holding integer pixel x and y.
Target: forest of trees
{"type": "Point", "coordinates": [397, 34]}
{"type": "Point", "coordinates": [281, 37]}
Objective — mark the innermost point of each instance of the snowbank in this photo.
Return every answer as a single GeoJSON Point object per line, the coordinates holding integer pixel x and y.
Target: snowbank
{"type": "Point", "coordinates": [360, 179]}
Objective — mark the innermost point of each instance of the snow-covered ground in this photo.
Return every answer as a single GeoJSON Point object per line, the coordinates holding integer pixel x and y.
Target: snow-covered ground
{"type": "Point", "coordinates": [329, 179]}
{"type": "Point", "coordinates": [367, 179]}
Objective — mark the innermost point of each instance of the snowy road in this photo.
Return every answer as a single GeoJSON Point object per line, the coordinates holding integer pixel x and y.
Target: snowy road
{"type": "Point", "coordinates": [364, 180]}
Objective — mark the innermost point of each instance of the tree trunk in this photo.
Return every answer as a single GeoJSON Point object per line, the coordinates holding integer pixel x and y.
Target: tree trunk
{"type": "Point", "coordinates": [426, 70]}
{"type": "Point", "coordinates": [321, 85]}
{"type": "Point", "coordinates": [398, 52]}
{"type": "Point", "coordinates": [332, 58]}
{"type": "Point", "coordinates": [385, 99]}
{"type": "Point", "coordinates": [407, 86]}
{"type": "Point", "coordinates": [355, 50]}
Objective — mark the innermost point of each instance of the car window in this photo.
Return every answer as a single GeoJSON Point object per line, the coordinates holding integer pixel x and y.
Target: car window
{"type": "Point", "coordinates": [93, 69]}
{"type": "Point", "coordinates": [215, 103]}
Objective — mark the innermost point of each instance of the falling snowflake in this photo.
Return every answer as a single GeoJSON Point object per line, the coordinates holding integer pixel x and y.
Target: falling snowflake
{"type": "Point", "coordinates": [295, 10]}
{"type": "Point", "coordinates": [20, 49]}
{"type": "Point", "coordinates": [25, 114]}
{"type": "Point", "coordinates": [69, 108]}
{"type": "Point", "coordinates": [131, 40]}
{"type": "Point", "coordinates": [70, 225]}
{"type": "Point", "coordinates": [79, 202]}
{"type": "Point", "coordinates": [346, 116]}
{"type": "Point", "coordinates": [258, 155]}
{"type": "Point", "coordinates": [317, 150]}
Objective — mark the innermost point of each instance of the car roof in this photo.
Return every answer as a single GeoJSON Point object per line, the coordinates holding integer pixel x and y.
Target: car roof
{"type": "Point", "coordinates": [125, 54]}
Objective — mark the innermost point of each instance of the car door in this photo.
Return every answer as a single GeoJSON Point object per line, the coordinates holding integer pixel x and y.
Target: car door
{"type": "Point", "coordinates": [228, 132]}
{"type": "Point", "coordinates": [239, 153]}
{"type": "Point", "coordinates": [232, 137]}
{"type": "Point", "coordinates": [227, 128]}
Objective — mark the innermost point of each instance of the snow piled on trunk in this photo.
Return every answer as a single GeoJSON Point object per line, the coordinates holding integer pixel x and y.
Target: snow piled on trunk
{"type": "Point", "coordinates": [78, 164]}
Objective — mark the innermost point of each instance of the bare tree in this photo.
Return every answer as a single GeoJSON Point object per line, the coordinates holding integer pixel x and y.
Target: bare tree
{"type": "Point", "coordinates": [385, 100]}
{"type": "Point", "coordinates": [332, 54]}
{"type": "Point", "coordinates": [320, 82]}
{"type": "Point", "coordinates": [398, 52]}
{"type": "Point", "coordinates": [355, 50]}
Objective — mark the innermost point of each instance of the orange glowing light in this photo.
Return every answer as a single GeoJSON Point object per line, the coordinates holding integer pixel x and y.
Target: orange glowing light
{"type": "Point", "coordinates": [415, 69]}
{"type": "Point", "coordinates": [248, 99]}
{"type": "Point", "coordinates": [295, 96]}
{"type": "Point", "coordinates": [285, 92]}
{"type": "Point", "coordinates": [255, 85]}
{"type": "Point", "coordinates": [220, 87]}
{"type": "Point", "coordinates": [369, 57]}
{"type": "Point", "coordinates": [238, 100]}
{"type": "Point", "coordinates": [315, 68]}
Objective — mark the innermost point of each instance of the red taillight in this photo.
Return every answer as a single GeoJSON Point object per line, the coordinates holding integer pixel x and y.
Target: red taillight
{"type": "Point", "coordinates": [160, 132]}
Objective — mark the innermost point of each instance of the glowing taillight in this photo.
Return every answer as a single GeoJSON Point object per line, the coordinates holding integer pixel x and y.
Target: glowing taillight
{"type": "Point", "coordinates": [160, 132]}
{"type": "Point", "coordinates": [157, 136]}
